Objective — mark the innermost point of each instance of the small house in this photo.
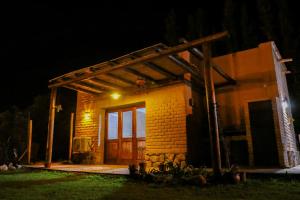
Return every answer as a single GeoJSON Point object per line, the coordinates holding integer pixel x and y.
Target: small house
{"type": "Point", "coordinates": [150, 105]}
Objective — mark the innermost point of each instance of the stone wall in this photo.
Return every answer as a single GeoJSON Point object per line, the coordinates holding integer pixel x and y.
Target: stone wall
{"type": "Point", "coordinates": [154, 159]}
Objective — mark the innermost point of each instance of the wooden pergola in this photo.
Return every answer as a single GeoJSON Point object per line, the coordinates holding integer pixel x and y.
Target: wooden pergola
{"type": "Point", "coordinates": [156, 66]}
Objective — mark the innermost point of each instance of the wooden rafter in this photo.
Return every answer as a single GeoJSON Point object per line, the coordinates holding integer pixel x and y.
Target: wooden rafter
{"type": "Point", "coordinates": [156, 67]}
{"type": "Point", "coordinates": [91, 86]}
{"type": "Point", "coordinates": [196, 52]}
{"type": "Point", "coordinates": [133, 71]}
{"type": "Point", "coordinates": [146, 58]}
{"type": "Point", "coordinates": [80, 89]}
{"type": "Point", "coordinates": [102, 83]}
{"type": "Point", "coordinates": [160, 70]}
{"type": "Point", "coordinates": [124, 80]}
{"type": "Point", "coordinates": [140, 74]}
{"type": "Point", "coordinates": [87, 88]}
{"type": "Point", "coordinates": [184, 64]}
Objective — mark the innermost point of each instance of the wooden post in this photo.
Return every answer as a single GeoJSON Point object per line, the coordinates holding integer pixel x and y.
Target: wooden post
{"type": "Point", "coordinates": [51, 126]}
{"type": "Point", "coordinates": [71, 136]}
{"type": "Point", "coordinates": [212, 110]}
{"type": "Point", "coordinates": [29, 131]}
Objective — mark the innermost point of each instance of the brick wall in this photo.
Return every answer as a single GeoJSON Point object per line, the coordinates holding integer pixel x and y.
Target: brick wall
{"type": "Point", "coordinates": [166, 111]}
{"type": "Point", "coordinates": [87, 121]}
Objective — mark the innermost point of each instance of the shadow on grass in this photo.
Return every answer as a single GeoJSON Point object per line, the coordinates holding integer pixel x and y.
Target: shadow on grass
{"type": "Point", "coordinates": [29, 183]}
{"type": "Point", "coordinates": [136, 190]}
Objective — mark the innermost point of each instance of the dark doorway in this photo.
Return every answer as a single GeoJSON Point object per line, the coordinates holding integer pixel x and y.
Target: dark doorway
{"type": "Point", "coordinates": [263, 133]}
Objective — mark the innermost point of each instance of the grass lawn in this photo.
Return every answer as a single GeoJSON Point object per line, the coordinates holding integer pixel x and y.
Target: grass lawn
{"type": "Point", "coordinates": [24, 184]}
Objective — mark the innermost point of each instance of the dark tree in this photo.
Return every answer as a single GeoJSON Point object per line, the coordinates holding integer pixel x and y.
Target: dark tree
{"type": "Point", "coordinates": [231, 23]}
{"type": "Point", "coordinates": [196, 24]}
{"type": "Point", "coordinates": [13, 128]}
{"type": "Point", "coordinates": [171, 34]}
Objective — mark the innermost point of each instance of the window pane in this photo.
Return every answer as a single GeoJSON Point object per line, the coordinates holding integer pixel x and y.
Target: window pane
{"type": "Point", "coordinates": [127, 124]}
{"type": "Point", "coordinates": [113, 125]}
{"type": "Point", "coordinates": [140, 122]}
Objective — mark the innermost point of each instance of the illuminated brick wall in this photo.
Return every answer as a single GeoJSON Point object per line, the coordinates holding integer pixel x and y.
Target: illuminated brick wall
{"type": "Point", "coordinates": [168, 107]}
{"type": "Point", "coordinates": [166, 110]}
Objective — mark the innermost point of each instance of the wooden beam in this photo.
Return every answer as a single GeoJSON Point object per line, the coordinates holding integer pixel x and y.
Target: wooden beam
{"type": "Point", "coordinates": [160, 70]}
{"type": "Point", "coordinates": [184, 64]}
{"type": "Point", "coordinates": [103, 83]}
{"type": "Point", "coordinates": [140, 74]}
{"type": "Point", "coordinates": [129, 82]}
{"type": "Point", "coordinates": [92, 86]}
{"type": "Point", "coordinates": [71, 136]}
{"type": "Point", "coordinates": [77, 89]}
{"type": "Point", "coordinates": [217, 68]}
{"type": "Point", "coordinates": [196, 52]}
{"type": "Point", "coordinates": [51, 126]}
{"type": "Point", "coordinates": [284, 60]}
{"type": "Point", "coordinates": [166, 52]}
{"type": "Point", "coordinates": [134, 72]}
{"type": "Point", "coordinates": [29, 131]}
{"type": "Point", "coordinates": [157, 68]}
{"type": "Point", "coordinates": [212, 111]}
{"type": "Point", "coordinates": [88, 87]}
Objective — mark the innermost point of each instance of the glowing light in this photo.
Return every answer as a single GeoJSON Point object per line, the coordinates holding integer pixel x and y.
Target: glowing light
{"type": "Point", "coordinates": [285, 104]}
{"type": "Point", "coordinates": [115, 95]}
{"type": "Point", "coordinates": [87, 116]}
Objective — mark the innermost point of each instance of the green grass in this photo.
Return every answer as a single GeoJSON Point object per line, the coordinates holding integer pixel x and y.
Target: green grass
{"type": "Point", "coordinates": [26, 184]}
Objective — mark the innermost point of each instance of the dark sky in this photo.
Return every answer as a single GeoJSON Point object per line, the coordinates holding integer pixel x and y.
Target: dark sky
{"type": "Point", "coordinates": [41, 41]}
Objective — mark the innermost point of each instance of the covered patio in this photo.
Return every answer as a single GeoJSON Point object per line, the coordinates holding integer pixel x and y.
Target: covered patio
{"type": "Point", "coordinates": [146, 69]}
{"type": "Point", "coordinates": [84, 168]}
{"type": "Point", "coordinates": [123, 169]}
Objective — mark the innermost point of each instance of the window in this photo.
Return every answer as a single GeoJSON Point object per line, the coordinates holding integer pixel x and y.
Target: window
{"type": "Point", "coordinates": [113, 125]}
{"type": "Point", "coordinates": [140, 122]}
{"type": "Point", "coordinates": [127, 124]}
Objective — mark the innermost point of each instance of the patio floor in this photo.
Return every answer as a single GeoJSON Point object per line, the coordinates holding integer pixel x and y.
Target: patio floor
{"type": "Point", "coordinates": [99, 169]}
{"type": "Point", "coordinates": [293, 170]}
{"type": "Point", "coordinates": [123, 169]}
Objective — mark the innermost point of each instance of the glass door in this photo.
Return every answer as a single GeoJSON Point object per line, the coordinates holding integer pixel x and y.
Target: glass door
{"type": "Point", "coordinates": [125, 135]}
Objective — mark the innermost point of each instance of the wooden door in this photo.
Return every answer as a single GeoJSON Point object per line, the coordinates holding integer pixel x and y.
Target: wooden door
{"type": "Point", "coordinates": [125, 135]}
{"type": "Point", "coordinates": [263, 133]}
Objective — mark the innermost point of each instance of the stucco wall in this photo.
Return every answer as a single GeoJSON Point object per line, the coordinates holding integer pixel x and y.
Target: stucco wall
{"type": "Point", "coordinates": [254, 71]}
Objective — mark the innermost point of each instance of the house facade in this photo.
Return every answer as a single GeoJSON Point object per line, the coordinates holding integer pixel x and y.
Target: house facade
{"type": "Point", "coordinates": [159, 120]}
{"type": "Point", "coordinates": [256, 114]}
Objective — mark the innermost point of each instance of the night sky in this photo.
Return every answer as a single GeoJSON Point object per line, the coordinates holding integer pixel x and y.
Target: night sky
{"type": "Point", "coordinates": [42, 41]}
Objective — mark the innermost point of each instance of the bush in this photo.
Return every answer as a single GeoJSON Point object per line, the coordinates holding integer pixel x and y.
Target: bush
{"type": "Point", "coordinates": [172, 173]}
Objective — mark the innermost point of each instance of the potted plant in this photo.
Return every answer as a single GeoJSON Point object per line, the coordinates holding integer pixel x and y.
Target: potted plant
{"type": "Point", "coordinates": [142, 167]}
{"type": "Point", "coordinates": [162, 167]}
{"type": "Point", "coordinates": [133, 171]}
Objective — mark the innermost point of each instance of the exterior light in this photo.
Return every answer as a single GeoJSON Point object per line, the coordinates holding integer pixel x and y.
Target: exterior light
{"type": "Point", "coordinates": [115, 95]}
{"type": "Point", "coordinates": [87, 116]}
{"type": "Point", "coordinates": [58, 108]}
{"type": "Point", "coordinates": [285, 104]}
